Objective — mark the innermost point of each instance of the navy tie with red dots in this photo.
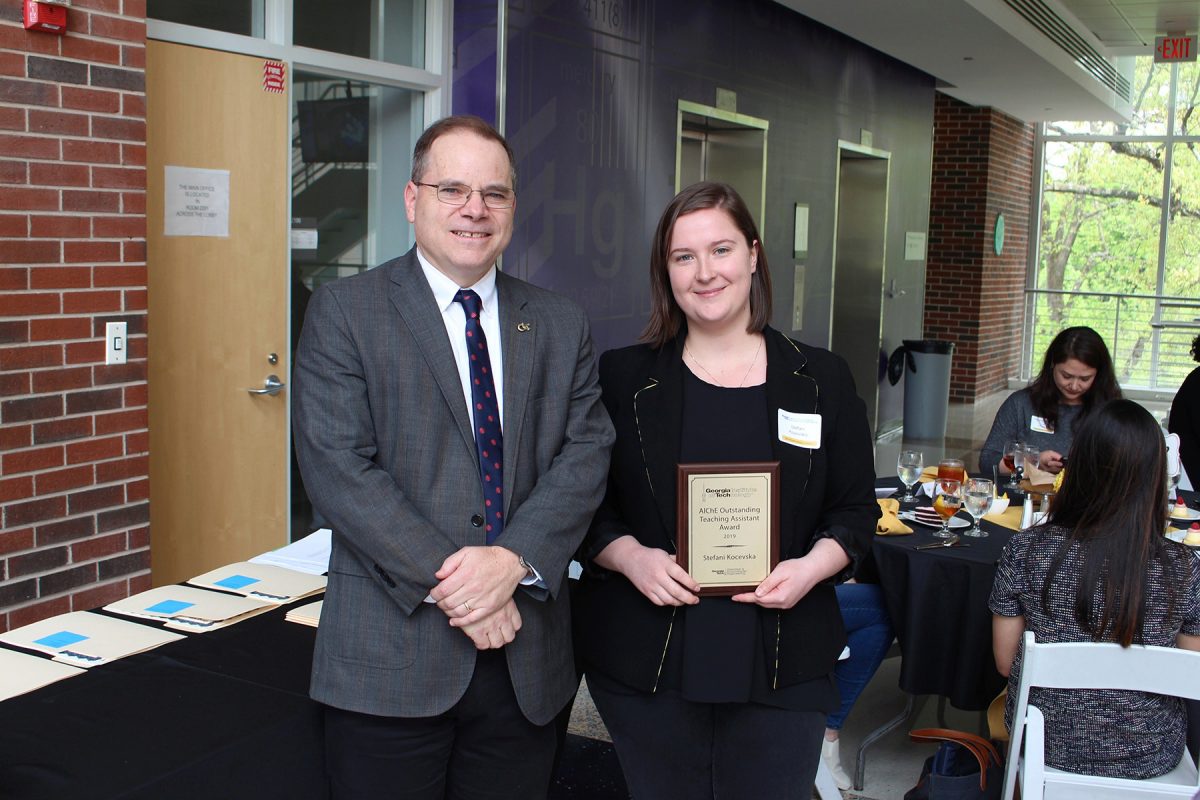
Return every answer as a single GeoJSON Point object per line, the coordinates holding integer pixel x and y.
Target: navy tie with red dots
{"type": "Point", "coordinates": [489, 442]}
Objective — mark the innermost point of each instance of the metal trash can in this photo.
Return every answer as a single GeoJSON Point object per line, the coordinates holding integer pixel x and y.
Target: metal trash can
{"type": "Point", "coordinates": [926, 366]}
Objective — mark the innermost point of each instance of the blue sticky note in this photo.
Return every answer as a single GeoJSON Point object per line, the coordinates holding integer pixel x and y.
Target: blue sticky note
{"type": "Point", "coordinates": [235, 581]}
{"type": "Point", "coordinates": [169, 607]}
{"type": "Point", "coordinates": [60, 640]}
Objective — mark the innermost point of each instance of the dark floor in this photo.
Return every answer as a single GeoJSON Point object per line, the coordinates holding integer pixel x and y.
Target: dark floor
{"type": "Point", "coordinates": [588, 770]}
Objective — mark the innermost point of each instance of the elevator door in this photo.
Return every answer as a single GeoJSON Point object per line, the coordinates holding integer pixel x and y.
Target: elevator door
{"type": "Point", "coordinates": [856, 321]}
{"type": "Point", "coordinates": [717, 145]}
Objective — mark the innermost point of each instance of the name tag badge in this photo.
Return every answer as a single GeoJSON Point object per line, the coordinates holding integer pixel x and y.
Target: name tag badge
{"type": "Point", "coordinates": [1039, 425]}
{"type": "Point", "coordinates": [800, 430]}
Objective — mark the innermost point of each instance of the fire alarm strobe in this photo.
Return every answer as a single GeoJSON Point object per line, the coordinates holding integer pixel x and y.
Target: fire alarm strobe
{"type": "Point", "coordinates": [49, 17]}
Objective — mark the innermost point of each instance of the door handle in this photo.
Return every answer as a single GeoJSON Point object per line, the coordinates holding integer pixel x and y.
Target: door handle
{"type": "Point", "coordinates": [271, 386]}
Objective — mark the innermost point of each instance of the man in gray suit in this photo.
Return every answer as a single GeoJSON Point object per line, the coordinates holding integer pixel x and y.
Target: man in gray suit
{"type": "Point", "coordinates": [444, 651]}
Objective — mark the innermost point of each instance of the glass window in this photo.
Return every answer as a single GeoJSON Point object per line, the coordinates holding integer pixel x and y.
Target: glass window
{"type": "Point", "coordinates": [1104, 259]}
{"type": "Point", "coordinates": [1181, 268]}
{"type": "Point", "coordinates": [1150, 88]}
{"type": "Point", "coordinates": [244, 17]}
{"type": "Point", "coordinates": [1182, 274]}
{"type": "Point", "coordinates": [1099, 245]}
{"type": "Point", "coordinates": [1187, 93]}
{"type": "Point", "coordinates": [383, 30]}
{"type": "Point", "coordinates": [351, 158]}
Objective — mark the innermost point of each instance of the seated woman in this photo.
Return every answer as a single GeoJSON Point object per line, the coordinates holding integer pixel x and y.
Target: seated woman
{"type": "Point", "coordinates": [720, 696]}
{"type": "Point", "coordinates": [1185, 419]}
{"type": "Point", "coordinates": [1100, 570]}
{"type": "Point", "coordinates": [870, 634]}
{"type": "Point", "coordinates": [1077, 376]}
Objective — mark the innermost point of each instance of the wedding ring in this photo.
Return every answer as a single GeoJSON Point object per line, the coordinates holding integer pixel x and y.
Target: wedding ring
{"type": "Point", "coordinates": [467, 606]}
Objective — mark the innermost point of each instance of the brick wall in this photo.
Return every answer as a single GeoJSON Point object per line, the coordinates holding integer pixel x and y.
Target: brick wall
{"type": "Point", "coordinates": [73, 440]}
{"type": "Point", "coordinates": [982, 166]}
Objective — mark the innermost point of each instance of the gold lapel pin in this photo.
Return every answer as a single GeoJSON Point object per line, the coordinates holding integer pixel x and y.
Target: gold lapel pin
{"type": "Point", "coordinates": [524, 327]}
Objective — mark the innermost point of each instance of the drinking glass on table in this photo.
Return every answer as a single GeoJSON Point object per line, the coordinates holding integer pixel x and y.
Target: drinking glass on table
{"type": "Point", "coordinates": [977, 499]}
{"type": "Point", "coordinates": [908, 466]}
{"type": "Point", "coordinates": [1032, 457]}
{"type": "Point", "coordinates": [1014, 453]}
{"type": "Point", "coordinates": [952, 469]}
{"type": "Point", "coordinates": [947, 500]}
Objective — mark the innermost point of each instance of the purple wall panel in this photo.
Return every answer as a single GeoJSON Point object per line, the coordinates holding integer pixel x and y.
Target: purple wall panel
{"type": "Point", "coordinates": [592, 94]}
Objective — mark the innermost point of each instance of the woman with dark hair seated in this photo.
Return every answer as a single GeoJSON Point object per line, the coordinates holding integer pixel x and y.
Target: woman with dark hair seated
{"type": "Point", "coordinates": [869, 631]}
{"type": "Point", "coordinates": [1100, 570]}
{"type": "Point", "coordinates": [1077, 376]}
{"type": "Point", "coordinates": [1185, 419]}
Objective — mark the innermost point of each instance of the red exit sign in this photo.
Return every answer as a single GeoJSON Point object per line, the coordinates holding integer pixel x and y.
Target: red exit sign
{"type": "Point", "coordinates": [1174, 48]}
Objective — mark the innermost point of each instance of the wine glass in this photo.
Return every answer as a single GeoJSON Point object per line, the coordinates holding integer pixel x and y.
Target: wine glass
{"type": "Point", "coordinates": [908, 467]}
{"type": "Point", "coordinates": [1014, 452]}
{"type": "Point", "coordinates": [977, 499]}
{"type": "Point", "coordinates": [948, 499]}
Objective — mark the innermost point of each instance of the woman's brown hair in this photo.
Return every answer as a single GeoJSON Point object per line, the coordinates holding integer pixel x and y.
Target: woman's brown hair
{"type": "Point", "coordinates": [1087, 347]}
{"type": "Point", "coordinates": [666, 318]}
{"type": "Point", "coordinates": [1113, 503]}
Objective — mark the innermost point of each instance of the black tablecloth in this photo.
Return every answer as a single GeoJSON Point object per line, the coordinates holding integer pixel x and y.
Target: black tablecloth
{"type": "Point", "coordinates": [937, 600]}
{"type": "Point", "coordinates": [217, 715]}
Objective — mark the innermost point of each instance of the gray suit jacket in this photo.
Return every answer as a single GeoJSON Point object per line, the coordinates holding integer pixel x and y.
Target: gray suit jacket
{"type": "Point", "coordinates": [387, 455]}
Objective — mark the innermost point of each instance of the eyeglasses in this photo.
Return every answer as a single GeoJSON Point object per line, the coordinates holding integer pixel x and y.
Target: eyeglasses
{"type": "Point", "coordinates": [456, 194]}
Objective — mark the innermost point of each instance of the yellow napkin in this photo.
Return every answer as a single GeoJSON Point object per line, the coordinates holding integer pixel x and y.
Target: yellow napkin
{"type": "Point", "coordinates": [889, 524]}
{"type": "Point", "coordinates": [928, 474]}
{"type": "Point", "coordinates": [1010, 517]}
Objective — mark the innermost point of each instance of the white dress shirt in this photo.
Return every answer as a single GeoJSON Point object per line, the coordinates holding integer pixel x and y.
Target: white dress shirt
{"type": "Point", "coordinates": [455, 320]}
{"type": "Point", "coordinates": [454, 317]}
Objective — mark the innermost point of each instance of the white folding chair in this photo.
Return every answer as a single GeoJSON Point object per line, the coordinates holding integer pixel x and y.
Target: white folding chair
{"type": "Point", "coordinates": [1088, 665]}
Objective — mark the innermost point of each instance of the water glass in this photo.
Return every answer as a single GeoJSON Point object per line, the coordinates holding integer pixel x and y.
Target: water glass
{"type": "Point", "coordinates": [1032, 457]}
{"type": "Point", "coordinates": [977, 499]}
{"type": "Point", "coordinates": [908, 467]}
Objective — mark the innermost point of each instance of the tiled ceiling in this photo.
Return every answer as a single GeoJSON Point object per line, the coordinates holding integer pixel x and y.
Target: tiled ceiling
{"type": "Point", "coordinates": [1128, 27]}
{"type": "Point", "coordinates": [1020, 56]}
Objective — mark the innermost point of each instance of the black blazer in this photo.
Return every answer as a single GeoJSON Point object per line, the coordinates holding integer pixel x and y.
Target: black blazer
{"type": "Point", "coordinates": [828, 491]}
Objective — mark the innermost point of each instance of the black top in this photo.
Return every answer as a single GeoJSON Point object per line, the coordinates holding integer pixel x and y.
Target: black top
{"type": "Point", "coordinates": [1098, 731]}
{"type": "Point", "coordinates": [1185, 420]}
{"type": "Point", "coordinates": [826, 492]}
{"type": "Point", "coordinates": [715, 653]}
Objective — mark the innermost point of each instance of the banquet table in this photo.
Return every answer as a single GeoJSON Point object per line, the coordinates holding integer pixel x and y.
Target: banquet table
{"type": "Point", "coordinates": [217, 714]}
{"type": "Point", "coordinates": [937, 600]}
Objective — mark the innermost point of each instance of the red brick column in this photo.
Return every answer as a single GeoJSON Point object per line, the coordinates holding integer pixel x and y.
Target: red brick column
{"type": "Point", "coordinates": [982, 166]}
{"type": "Point", "coordinates": [73, 442]}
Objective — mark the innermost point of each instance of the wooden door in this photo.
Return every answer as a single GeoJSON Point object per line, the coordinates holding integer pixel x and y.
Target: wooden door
{"type": "Point", "coordinates": [218, 454]}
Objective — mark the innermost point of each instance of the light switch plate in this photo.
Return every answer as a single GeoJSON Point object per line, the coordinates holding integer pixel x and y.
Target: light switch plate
{"type": "Point", "coordinates": [116, 342]}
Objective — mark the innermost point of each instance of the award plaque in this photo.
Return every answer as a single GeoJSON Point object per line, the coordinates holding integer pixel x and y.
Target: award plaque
{"type": "Point", "coordinates": [728, 524]}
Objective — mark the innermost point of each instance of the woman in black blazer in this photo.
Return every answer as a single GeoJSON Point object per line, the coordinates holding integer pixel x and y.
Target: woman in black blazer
{"type": "Point", "coordinates": [720, 697]}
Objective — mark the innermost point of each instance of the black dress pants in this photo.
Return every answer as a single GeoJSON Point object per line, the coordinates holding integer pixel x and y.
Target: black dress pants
{"type": "Point", "coordinates": [482, 748]}
{"type": "Point", "coordinates": [675, 749]}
